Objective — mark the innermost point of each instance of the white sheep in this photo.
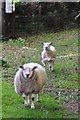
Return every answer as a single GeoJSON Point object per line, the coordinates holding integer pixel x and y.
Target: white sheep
{"type": "Point", "coordinates": [29, 80]}
{"type": "Point", "coordinates": [48, 55]}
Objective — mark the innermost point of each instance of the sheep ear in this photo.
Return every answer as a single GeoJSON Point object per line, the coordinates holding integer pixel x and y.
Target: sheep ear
{"type": "Point", "coordinates": [42, 43]}
{"type": "Point", "coordinates": [21, 67]}
{"type": "Point", "coordinates": [50, 43]}
{"type": "Point", "coordinates": [34, 68]}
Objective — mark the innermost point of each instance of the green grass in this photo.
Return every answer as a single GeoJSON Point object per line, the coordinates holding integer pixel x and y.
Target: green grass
{"type": "Point", "coordinates": [47, 108]}
{"type": "Point", "coordinates": [63, 79]}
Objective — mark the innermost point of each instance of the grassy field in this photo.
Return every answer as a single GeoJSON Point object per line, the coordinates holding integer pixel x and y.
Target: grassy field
{"type": "Point", "coordinates": [59, 96]}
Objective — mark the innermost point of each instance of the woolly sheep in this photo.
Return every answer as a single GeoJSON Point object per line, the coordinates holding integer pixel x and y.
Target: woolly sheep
{"type": "Point", "coordinates": [48, 55]}
{"type": "Point", "coordinates": [29, 80]}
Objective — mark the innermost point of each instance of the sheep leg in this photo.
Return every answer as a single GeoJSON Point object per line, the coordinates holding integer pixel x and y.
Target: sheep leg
{"type": "Point", "coordinates": [32, 102]}
{"type": "Point", "coordinates": [43, 63]}
{"type": "Point", "coordinates": [28, 99]}
{"type": "Point", "coordinates": [51, 66]}
{"type": "Point", "coordinates": [38, 98]}
{"type": "Point", "coordinates": [25, 102]}
{"type": "Point", "coordinates": [49, 63]}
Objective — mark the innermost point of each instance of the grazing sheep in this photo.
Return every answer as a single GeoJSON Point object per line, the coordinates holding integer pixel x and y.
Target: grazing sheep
{"type": "Point", "coordinates": [29, 80]}
{"type": "Point", "coordinates": [48, 55]}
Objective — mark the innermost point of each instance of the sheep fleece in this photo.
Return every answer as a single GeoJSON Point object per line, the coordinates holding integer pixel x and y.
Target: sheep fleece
{"type": "Point", "coordinates": [34, 84]}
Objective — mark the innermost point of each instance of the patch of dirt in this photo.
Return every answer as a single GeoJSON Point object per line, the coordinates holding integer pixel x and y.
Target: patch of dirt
{"type": "Point", "coordinates": [72, 103]}
{"type": "Point", "coordinates": [73, 106]}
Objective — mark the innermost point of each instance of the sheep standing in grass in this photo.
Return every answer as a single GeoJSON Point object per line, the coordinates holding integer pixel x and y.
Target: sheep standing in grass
{"type": "Point", "coordinates": [29, 80]}
{"type": "Point", "coordinates": [48, 55]}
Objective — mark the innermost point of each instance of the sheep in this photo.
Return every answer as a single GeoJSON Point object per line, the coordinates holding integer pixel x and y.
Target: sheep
{"type": "Point", "coordinates": [48, 55]}
{"type": "Point", "coordinates": [28, 81]}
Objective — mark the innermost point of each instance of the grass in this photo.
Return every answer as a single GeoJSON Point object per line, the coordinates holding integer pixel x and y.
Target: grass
{"type": "Point", "coordinates": [15, 105]}
{"type": "Point", "coordinates": [62, 85]}
{"type": "Point", "coordinates": [47, 108]}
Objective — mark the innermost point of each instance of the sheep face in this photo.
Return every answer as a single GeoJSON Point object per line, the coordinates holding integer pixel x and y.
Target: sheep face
{"type": "Point", "coordinates": [46, 46]}
{"type": "Point", "coordinates": [28, 73]}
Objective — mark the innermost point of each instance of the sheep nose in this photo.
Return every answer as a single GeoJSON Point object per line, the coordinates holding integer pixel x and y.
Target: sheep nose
{"type": "Point", "coordinates": [46, 48]}
{"type": "Point", "coordinates": [27, 75]}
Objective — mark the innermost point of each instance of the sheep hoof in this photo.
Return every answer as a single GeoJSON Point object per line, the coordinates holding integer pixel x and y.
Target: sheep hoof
{"type": "Point", "coordinates": [32, 107]}
{"type": "Point", "coordinates": [52, 70]}
{"type": "Point", "coordinates": [25, 103]}
{"type": "Point", "coordinates": [38, 100]}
